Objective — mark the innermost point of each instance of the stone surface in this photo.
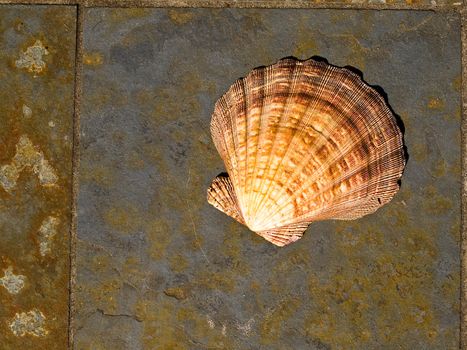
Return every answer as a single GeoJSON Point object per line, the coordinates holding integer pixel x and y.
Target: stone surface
{"type": "Point", "coordinates": [453, 3]}
{"type": "Point", "coordinates": [368, 4]}
{"type": "Point", "coordinates": [158, 268]}
{"type": "Point", "coordinates": [36, 88]}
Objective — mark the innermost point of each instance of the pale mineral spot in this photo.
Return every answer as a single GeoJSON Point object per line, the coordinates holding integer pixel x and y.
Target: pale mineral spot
{"type": "Point", "coordinates": [27, 155]}
{"type": "Point", "coordinates": [31, 322]}
{"type": "Point", "coordinates": [211, 323]}
{"type": "Point", "coordinates": [52, 124]}
{"type": "Point", "coordinates": [31, 59]}
{"type": "Point", "coordinates": [246, 328]}
{"type": "Point", "coordinates": [27, 112]}
{"type": "Point", "coordinates": [13, 283]}
{"type": "Point", "coordinates": [47, 231]}
{"type": "Point", "coordinates": [224, 330]}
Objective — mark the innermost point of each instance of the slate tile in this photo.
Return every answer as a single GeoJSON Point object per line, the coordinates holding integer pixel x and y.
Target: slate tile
{"type": "Point", "coordinates": [159, 268]}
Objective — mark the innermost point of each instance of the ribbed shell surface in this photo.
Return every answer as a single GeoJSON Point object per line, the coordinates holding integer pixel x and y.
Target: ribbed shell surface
{"type": "Point", "coordinates": [303, 141]}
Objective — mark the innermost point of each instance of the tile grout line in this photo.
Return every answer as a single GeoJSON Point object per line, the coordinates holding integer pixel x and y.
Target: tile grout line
{"type": "Point", "coordinates": [264, 4]}
{"type": "Point", "coordinates": [75, 172]}
{"type": "Point", "coordinates": [463, 233]}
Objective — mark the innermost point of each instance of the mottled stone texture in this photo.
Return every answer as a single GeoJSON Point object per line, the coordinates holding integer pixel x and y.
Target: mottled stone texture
{"type": "Point", "coordinates": [159, 268]}
{"type": "Point", "coordinates": [36, 92]}
{"type": "Point", "coordinates": [392, 2]}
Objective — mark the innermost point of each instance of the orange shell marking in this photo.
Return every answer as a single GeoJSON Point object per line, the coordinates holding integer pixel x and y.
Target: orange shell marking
{"type": "Point", "coordinates": [303, 141]}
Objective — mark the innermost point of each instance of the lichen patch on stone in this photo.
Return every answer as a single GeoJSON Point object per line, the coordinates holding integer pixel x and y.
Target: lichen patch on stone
{"type": "Point", "coordinates": [13, 283]}
{"type": "Point", "coordinates": [210, 322]}
{"type": "Point", "coordinates": [27, 155]}
{"type": "Point", "coordinates": [29, 323]}
{"type": "Point", "coordinates": [31, 59]}
{"type": "Point", "coordinates": [27, 112]}
{"type": "Point", "coordinates": [45, 172]}
{"type": "Point", "coordinates": [245, 328]}
{"type": "Point", "coordinates": [224, 330]}
{"type": "Point", "coordinates": [8, 176]}
{"type": "Point", "coordinates": [47, 231]}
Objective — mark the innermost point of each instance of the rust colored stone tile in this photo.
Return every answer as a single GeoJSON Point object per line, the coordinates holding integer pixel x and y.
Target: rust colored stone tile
{"type": "Point", "coordinates": [36, 91]}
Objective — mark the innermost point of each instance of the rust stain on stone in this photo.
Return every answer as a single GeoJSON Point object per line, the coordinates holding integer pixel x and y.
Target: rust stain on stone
{"type": "Point", "coordinates": [436, 103]}
{"type": "Point", "coordinates": [270, 328]}
{"type": "Point", "coordinates": [178, 263]}
{"type": "Point", "coordinates": [37, 70]}
{"type": "Point", "coordinates": [179, 16]}
{"type": "Point", "coordinates": [307, 45]}
{"type": "Point", "coordinates": [93, 58]}
{"type": "Point", "coordinates": [124, 218]}
{"type": "Point", "coordinates": [117, 17]}
{"type": "Point", "coordinates": [435, 203]}
{"type": "Point", "coordinates": [159, 234]}
{"type": "Point", "coordinates": [179, 293]}
{"type": "Point", "coordinates": [105, 296]}
{"type": "Point", "coordinates": [46, 232]}
{"type": "Point", "coordinates": [457, 83]}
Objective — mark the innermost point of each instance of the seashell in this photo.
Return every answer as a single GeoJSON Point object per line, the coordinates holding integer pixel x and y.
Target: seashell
{"type": "Point", "coordinates": [303, 141]}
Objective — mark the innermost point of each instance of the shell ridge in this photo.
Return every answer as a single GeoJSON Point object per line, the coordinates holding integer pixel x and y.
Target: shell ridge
{"type": "Point", "coordinates": [376, 156]}
{"type": "Point", "coordinates": [352, 208]}
{"type": "Point", "coordinates": [296, 137]}
{"type": "Point", "coordinates": [233, 106]}
{"type": "Point", "coordinates": [309, 111]}
{"type": "Point", "coordinates": [269, 97]}
{"type": "Point", "coordinates": [344, 152]}
{"type": "Point", "coordinates": [222, 196]}
{"type": "Point", "coordinates": [244, 178]}
{"type": "Point", "coordinates": [223, 111]}
{"type": "Point", "coordinates": [390, 181]}
{"type": "Point", "coordinates": [285, 234]}
{"type": "Point", "coordinates": [252, 87]}
{"type": "Point", "coordinates": [290, 73]}
{"type": "Point", "coordinates": [222, 146]}
{"type": "Point", "coordinates": [340, 155]}
{"type": "Point", "coordinates": [285, 67]}
{"type": "Point", "coordinates": [323, 81]}
{"type": "Point", "coordinates": [261, 88]}
{"type": "Point", "coordinates": [290, 97]}
{"type": "Point", "coordinates": [274, 79]}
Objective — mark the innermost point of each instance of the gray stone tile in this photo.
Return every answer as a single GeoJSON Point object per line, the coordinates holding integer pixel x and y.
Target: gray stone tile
{"type": "Point", "coordinates": [36, 89]}
{"type": "Point", "coordinates": [159, 268]}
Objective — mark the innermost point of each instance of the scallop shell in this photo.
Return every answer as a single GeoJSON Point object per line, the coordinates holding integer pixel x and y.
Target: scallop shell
{"type": "Point", "coordinates": [303, 141]}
